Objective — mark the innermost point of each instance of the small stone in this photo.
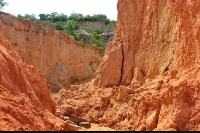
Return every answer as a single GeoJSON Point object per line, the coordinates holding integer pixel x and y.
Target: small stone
{"type": "Point", "coordinates": [61, 117]}
{"type": "Point", "coordinates": [76, 119]}
{"type": "Point", "coordinates": [85, 124]}
{"type": "Point", "coordinates": [58, 113]}
{"type": "Point", "coordinates": [174, 73]}
{"type": "Point", "coordinates": [71, 122]}
{"type": "Point", "coordinates": [65, 118]}
{"type": "Point", "coordinates": [72, 126]}
{"type": "Point", "coordinates": [138, 75]}
{"type": "Point", "coordinates": [74, 87]}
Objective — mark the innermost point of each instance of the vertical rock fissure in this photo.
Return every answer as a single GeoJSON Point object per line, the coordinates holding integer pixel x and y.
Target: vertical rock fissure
{"type": "Point", "coordinates": [158, 114]}
{"type": "Point", "coordinates": [122, 67]}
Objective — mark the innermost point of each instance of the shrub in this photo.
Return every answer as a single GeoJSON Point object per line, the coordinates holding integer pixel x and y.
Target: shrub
{"type": "Point", "coordinates": [97, 30]}
{"type": "Point", "coordinates": [28, 17]}
{"type": "Point", "coordinates": [97, 41]}
{"type": "Point", "coordinates": [43, 17]}
{"type": "Point", "coordinates": [43, 28]}
{"type": "Point", "coordinates": [72, 25]}
{"type": "Point", "coordinates": [59, 26]}
{"type": "Point", "coordinates": [81, 41]}
{"type": "Point", "coordinates": [53, 17]}
{"type": "Point", "coordinates": [76, 17]}
{"type": "Point", "coordinates": [74, 79]}
{"type": "Point", "coordinates": [71, 28]}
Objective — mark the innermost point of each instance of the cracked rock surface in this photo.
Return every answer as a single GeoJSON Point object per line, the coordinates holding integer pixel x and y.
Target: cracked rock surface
{"type": "Point", "coordinates": [149, 77]}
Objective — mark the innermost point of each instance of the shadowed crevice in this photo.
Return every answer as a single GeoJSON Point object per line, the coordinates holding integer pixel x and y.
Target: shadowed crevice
{"type": "Point", "coordinates": [122, 67]}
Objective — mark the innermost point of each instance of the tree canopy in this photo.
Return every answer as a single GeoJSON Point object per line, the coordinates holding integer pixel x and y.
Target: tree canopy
{"type": "Point", "coordinates": [97, 41]}
{"type": "Point", "coordinates": [60, 17]}
{"type": "Point", "coordinates": [2, 4]}
{"type": "Point", "coordinates": [31, 17]}
{"type": "Point", "coordinates": [71, 28]}
{"type": "Point", "coordinates": [53, 17]}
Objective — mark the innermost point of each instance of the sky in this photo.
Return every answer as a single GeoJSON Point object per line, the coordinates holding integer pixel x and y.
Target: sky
{"type": "Point", "coordinates": [107, 7]}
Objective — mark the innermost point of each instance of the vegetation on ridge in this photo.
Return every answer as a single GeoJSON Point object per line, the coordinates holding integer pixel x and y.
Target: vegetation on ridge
{"type": "Point", "coordinates": [72, 24]}
{"type": "Point", "coordinates": [56, 17]}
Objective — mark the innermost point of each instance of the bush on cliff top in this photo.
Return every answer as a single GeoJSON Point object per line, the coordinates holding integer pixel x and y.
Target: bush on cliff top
{"type": "Point", "coordinates": [70, 25]}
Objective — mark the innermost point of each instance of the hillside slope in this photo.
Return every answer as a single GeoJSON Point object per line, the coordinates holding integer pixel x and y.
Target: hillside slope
{"type": "Point", "coordinates": [61, 59]}
{"type": "Point", "coordinates": [25, 101]}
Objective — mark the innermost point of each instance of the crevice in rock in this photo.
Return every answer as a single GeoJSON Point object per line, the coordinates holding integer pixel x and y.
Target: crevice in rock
{"type": "Point", "coordinates": [143, 73]}
{"type": "Point", "coordinates": [122, 67]}
{"type": "Point", "coordinates": [166, 69]}
{"type": "Point", "coordinates": [158, 114]}
{"type": "Point", "coordinates": [0, 75]}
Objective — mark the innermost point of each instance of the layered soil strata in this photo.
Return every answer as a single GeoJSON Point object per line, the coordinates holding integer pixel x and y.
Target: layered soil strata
{"type": "Point", "coordinates": [61, 59]}
{"type": "Point", "coordinates": [25, 100]}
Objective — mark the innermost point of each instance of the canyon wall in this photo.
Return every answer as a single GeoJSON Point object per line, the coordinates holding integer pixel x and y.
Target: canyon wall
{"type": "Point", "coordinates": [152, 36]}
{"type": "Point", "coordinates": [61, 59]}
{"type": "Point", "coordinates": [148, 79]}
{"type": "Point", "coordinates": [25, 100]}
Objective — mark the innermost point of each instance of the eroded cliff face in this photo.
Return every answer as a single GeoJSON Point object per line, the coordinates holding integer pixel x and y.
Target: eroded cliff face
{"type": "Point", "coordinates": [155, 36]}
{"type": "Point", "coordinates": [25, 101]}
{"type": "Point", "coordinates": [55, 53]}
{"type": "Point", "coordinates": [148, 79]}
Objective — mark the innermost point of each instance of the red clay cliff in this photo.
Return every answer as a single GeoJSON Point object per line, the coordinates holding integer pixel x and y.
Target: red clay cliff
{"type": "Point", "coordinates": [149, 77]}
{"type": "Point", "coordinates": [25, 101]}
{"type": "Point", "coordinates": [59, 57]}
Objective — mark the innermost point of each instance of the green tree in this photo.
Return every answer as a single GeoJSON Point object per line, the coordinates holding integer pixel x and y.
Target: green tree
{"type": "Point", "coordinates": [76, 16]}
{"type": "Point", "coordinates": [97, 30]}
{"type": "Point", "coordinates": [59, 26]}
{"type": "Point", "coordinates": [20, 16]}
{"type": "Point", "coordinates": [100, 17]}
{"type": "Point", "coordinates": [28, 17]}
{"type": "Point", "coordinates": [72, 25]}
{"type": "Point", "coordinates": [43, 17]}
{"type": "Point", "coordinates": [61, 17]}
{"type": "Point", "coordinates": [88, 18]}
{"type": "Point", "coordinates": [71, 28]}
{"type": "Point", "coordinates": [53, 17]}
{"type": "Point", "coordinates": [97, 40]}
{"type": "Point", "coordinates": [2, 4]}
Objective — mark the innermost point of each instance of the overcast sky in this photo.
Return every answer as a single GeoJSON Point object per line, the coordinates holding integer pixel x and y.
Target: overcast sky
{"type": "Point", "coordinates": [107, 7]}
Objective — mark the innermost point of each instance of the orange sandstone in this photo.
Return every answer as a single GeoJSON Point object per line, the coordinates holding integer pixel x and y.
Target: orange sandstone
{"type": "Point", "coordinates": [25, 101]}
{"type": "Point", "coordinates": [54, 52]}
{"type": "Point", "coordinates": [149, 76]}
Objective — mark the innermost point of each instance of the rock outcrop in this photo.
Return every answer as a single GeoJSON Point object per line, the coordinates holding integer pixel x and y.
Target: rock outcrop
{"type": "Point", "coordinates": [55, 53]}
{"type": "Point", "coordinates": [25, 100]}
{"type": "Point", "coordinates": [154, 36]}
{"type": "Point", "coordinates": [148, 79]}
